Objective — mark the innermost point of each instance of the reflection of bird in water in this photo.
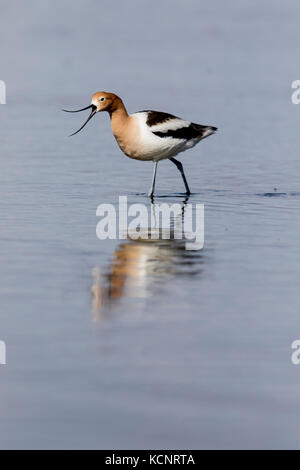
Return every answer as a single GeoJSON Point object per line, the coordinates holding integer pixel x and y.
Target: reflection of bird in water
{"type": "Point", "coordinates": [141, 266]}
{"type": "Point", "coordinates": [138, 267]}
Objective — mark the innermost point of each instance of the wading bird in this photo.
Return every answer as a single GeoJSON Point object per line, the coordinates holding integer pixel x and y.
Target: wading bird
{"type": "Point", "coordinates": [148, 135]}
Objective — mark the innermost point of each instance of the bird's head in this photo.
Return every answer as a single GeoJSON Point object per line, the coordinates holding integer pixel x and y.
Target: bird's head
{"type": "Point", "coordinates": [104, 101]}
{"type": "Point", "coordinates": [101, 101]}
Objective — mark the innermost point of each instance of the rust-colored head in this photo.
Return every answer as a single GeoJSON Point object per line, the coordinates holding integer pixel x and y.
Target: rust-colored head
{"type": "Point", "coordinates": [105, 101]}
{"type": "Point", "coordinates": [101, 101]}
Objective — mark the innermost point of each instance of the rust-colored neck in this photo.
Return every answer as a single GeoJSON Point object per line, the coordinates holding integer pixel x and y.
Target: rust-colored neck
{"type": "Point", "coordinates": [118, 113]}
{"type": "Point", "coordinates": [125, 129]}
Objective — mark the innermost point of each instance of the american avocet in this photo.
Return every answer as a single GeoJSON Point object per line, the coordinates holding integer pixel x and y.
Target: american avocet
{"type": "Point", "coordinates": [148, 135]}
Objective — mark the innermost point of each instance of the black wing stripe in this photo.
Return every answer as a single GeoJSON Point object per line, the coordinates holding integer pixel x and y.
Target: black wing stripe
{"type": "Point", "coordinates": [157, 117]}
{"type": "Point", "coordinates": [187, 133]}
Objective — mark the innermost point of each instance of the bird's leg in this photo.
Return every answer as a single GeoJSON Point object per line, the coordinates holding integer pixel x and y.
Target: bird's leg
{"type": "Point", "coordinates": [180, 168]}
{"type": "Point", "coordinates": [151, 191]}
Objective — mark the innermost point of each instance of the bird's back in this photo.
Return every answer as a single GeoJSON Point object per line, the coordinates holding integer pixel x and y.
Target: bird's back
{"type": "Point", "coordinates": [164, 135]}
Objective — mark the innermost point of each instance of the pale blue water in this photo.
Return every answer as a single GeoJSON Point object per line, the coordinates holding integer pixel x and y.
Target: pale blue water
{"type": "Point", "coordinates": [195, 353]}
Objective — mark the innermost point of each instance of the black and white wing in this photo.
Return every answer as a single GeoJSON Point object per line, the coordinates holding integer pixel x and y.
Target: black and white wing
{"type": "Point", "coordinates": [167, 125]}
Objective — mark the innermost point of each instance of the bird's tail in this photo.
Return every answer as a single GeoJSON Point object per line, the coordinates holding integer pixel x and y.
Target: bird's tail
{"type": "Point", "coordinates": [209, 130]}
{"type": "Point", "coordinates": [204, 131]}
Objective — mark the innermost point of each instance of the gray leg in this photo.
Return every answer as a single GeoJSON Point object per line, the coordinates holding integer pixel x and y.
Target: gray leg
{"type": "Point", "coordinates": [180, 168]}
{"type": "Point", "coordinates": [151, 191]}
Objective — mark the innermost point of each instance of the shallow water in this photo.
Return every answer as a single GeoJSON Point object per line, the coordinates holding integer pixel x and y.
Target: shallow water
{"type": "Point", "coordinates": [123, 344]}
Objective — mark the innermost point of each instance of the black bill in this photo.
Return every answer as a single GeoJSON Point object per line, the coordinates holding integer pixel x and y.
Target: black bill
{"type": "Point", "coordinates": [93, 112]}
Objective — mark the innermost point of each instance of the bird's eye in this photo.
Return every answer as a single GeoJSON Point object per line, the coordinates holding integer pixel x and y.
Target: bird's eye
{"type": "Point", "coordinates": [102, 99]}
